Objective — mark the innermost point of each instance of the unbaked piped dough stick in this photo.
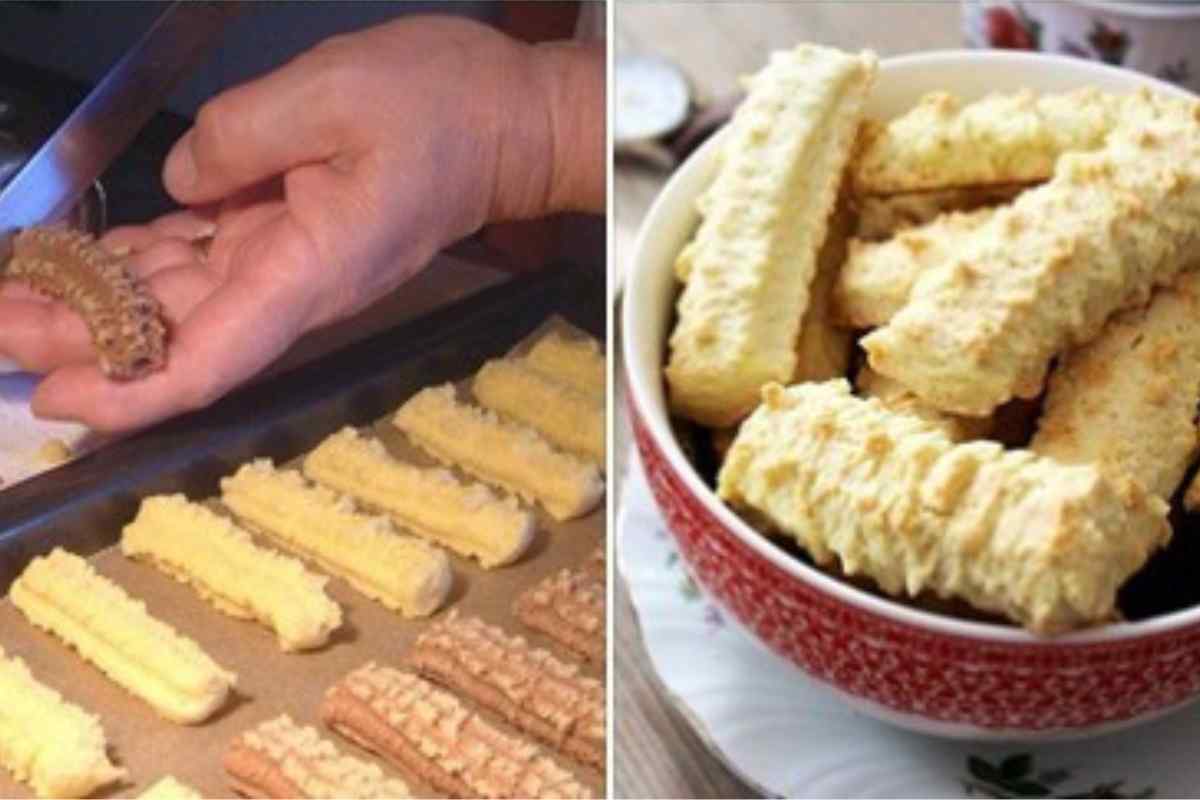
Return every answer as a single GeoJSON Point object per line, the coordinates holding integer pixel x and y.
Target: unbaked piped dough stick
{"type": "Point", "coordinates": [577, 361]}
{"type": "Point", "coordinates": [402, 572]}
{"type": "Point", "coordinates": [751, 264]}
{"type": "Point", "coordinates": [428, 732]}
{"type": "Point", "coordinates": [530, 688]}
{"type": "Point", "coordinates": [512, 456]}
{"type": "Point", "coordinates": [124, 319]}
{"type": "Point", "coordinates": [282, 759]}
{"type": "Point", "coordinates": [197, 546]}
{"type": "Point", "coordinates": [1045, 273]}
{"type": "Point", "coordinates": [568, 607]}
{"type": "Point", "coordinates": [1017, 137]}
{"type": "Point", "coordinates": [53, 745]}
{"type": "Point", "coordinates": [567, 417]}
{"type": "Point", "coordinates": [63, 595]}
{"type": "Point", "coordinates": [890, 497]}
{"type": "Point", "coordinates": [467, 517]}
{"type": "Point", "coordinates": [1127, 400]}
{"type": "Point", "coordinates": [169, 788]}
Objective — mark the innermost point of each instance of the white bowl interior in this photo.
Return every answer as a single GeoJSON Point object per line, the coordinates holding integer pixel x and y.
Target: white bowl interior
{"type": "Point", "coordinates": [648, 302]}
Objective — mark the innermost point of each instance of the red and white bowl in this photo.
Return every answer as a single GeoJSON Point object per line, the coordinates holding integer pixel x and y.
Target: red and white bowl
{"type": "Point", "coordinates": [917, 669]}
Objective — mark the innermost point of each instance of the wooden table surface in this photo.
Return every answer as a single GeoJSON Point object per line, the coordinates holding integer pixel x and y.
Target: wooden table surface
{"type": "Point", "coordinates": [657, 753]}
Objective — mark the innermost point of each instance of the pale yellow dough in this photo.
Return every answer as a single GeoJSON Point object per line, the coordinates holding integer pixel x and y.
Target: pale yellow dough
{"type": "Point", "coordinates": [197, 546]}
{"type": "Point", "coordinates": [63, 594]}
{"type": "Point", "coordinates": [751, 264]}
{"type": "Point", "coordinates": [1016, 137]}
{"type": "Point", "coordinates": [402, 572]}
{"type": "Point", "coordinates": [53, 745]}
{"type": "Point", "coordinates": [169, 788]}
{"type": "Point", "coordinates": [1044, 274]}
{"type": "Point", "coordinates": [567, 417]}
{"type": "Point", "coordinates": [577, 361]}
{"type": "Point", "coordinates": [1127, 400]}
{"type": "Point", "coordinates": [875, 281]}
{"type": "Point", "coordinates": [467, 517]}
{"type": "Point", "coordinates": [895, 397]}
{"type": "Point", "coordinates": [891, 497]}
{"type": "Point", "coordinates": [509, 455]}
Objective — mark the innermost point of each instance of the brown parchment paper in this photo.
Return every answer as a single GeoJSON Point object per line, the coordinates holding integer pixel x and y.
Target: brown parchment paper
{"type": "Point", "coordinates": [271, 682]}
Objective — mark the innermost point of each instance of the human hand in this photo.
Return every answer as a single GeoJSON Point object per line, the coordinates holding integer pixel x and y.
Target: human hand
{"type": "Point", "coordinates": [329, 182]}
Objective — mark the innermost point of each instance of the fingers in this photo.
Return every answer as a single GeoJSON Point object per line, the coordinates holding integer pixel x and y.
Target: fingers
{"type": "Point", "coordinates": [228, 336]}
{"type": "Point", "coordinates": [186, 226]}
{"type": "Point", "coordinates": [42, 336]}
{"type": "Point", "coordinates": [257, 131]}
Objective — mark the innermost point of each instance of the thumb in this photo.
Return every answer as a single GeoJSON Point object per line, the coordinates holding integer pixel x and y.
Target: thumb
{"type": "Point", "coordinates": [255, 132]}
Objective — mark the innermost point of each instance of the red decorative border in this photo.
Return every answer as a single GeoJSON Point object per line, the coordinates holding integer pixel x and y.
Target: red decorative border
{"type": "Point", "coordinates": [912, 670]}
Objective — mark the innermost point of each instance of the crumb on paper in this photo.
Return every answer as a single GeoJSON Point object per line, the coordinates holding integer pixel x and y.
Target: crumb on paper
{"type": "Point", "coordinates": [54, 452]}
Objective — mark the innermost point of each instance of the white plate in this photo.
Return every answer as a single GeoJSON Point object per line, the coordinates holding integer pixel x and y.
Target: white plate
{"type": "Point", "coordinates": [785, 734]}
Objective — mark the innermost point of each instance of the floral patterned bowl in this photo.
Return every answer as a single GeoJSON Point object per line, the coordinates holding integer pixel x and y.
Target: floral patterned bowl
{"type": "Point", "coordinates": [1158, 38]}
{"type": "Point", "coordinates": [918, 669]}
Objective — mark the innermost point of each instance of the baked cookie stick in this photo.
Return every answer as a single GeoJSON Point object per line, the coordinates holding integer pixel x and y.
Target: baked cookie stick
{"type": "Point", "coordinates": [569, 608]}
{"type": "Point", "coordinates": [530, 688]}
{"type": "Point", "coordinates": [168, 788]}
{"type": "Point", "coordinates": [282, 759]}
{"type": "Point", "coordinates": [1127, 400]}
{"type": "Point", "coordinates": [883, 216]}
{"type": "Point", "coordinates": [822, 347]}
{"type": "Point", "coordinates": [570, 419]}
{"type": "Point", "coordinates": [511, 456]}
{"type": "Point", "coordinates": [63, 595]}
{"type": "Point", "coordinates": [429, 733]}
{"type": "Point", "coordinates": [943, 143]}
{"type": "Point", "coordinates": [1046, 272]}
{"type": "Point", "coordinates": [402, 572]}
{"type": "Point", "coordinates": [197, 546]}
{"type": "Point", "coordinates": [890, 497]}
{"type": "Point", "coordinates": [466, 517]}
{"type": "Point", "coordinates": [754, 256]}
{"type": "Point", "coordinates": [124, 319]}
{"type": "Point", "coordinates": [577, 361]}
{"type": "Point", "coordinates": [877, 277]}
{"type": "Point", "coordinates": [895, 397]}
{"type": "Point", "coordinates": [54, 746]}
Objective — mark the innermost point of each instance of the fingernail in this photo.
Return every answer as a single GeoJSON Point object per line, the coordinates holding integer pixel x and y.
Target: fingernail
{"type": "Point", "coordinates": [179, 173]}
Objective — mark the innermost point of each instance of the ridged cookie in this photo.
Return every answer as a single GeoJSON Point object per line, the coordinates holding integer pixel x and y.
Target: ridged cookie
{"type": "Point", "coordinates": [577, 361]}
{"type": "Point", "coordinates": [1016, 137]}
{"type": "Point", "coordinates": [53, 745]}
{"type": "Point", "coordinates": [1127, 400]}
{"type": "Point", "coordinates": [402, 572]}
{"type": "Point", "coordinates": [429, 733]}
{"type": "Point", "coordinates": [890, 497]}
{"type": "Point", "coordinates": [199, 547]}
{"type": "Point", "coordinates": [124, 319]}
{"type": "Point", "coordinates": [1045, 273]}
{"type": "Point", "coordinates": [567, 417]}
{"type": "Point", "coordinates": [63, 594]}
{"type": "Point", "coordinates": [527, 686]}
{"type": "Point", "coordinates": [279, 758]}
{"type": "Point", "coordinates": [568, 607]}
{"type": "Point", "coordinates": [512, 456]}
{"type": "Point", "coordinates": [466, 517]}
{"type": "Point", "coordinates": [751, 264]}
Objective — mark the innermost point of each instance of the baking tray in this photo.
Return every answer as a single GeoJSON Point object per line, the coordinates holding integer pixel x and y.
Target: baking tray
{"type": "Point", "coordinates": [83, 505]}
